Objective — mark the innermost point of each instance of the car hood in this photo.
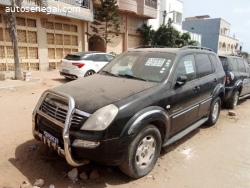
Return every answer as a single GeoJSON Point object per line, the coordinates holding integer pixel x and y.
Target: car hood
{"type": "Point", "coordinates": [96, 91]}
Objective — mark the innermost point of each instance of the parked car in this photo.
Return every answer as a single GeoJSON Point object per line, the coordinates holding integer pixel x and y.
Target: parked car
{"type": "Point", "coordinates": [237, 84]}
{"type": "Point", "coordinates": [82, 64]}
{"type": "Point", "coordinates": [143, 100]}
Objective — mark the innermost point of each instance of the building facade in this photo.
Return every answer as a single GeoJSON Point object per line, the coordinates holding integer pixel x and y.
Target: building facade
{"type": "Point", "coordinates": [44, 38]}
{"type": "Point", "coordinates": [215, 33]}
{"type": "Point", "coordinates": [172, 9]}
{"type": "Point", "coordinates": [132, 15]}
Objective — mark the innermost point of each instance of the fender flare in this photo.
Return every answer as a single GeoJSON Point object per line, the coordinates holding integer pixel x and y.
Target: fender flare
{"type": "Point", "coordinates": [220, 88]}
{"type": "Point", "coordinates": [144, 117]}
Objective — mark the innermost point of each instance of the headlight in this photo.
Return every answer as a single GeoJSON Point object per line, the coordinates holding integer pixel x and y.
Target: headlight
{"type": "Point", "coordinates": [101, 119]}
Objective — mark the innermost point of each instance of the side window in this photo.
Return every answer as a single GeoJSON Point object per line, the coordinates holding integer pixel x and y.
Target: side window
{"type": "Point", "coordinates": [241, 65]}
{"type": "Point", "coordinates": [186, 67]}
{"type": "Point", "coordinates": [247, 66]}
{"type": "Point", "coordinates": [226, 64]}
{"type": "Point", "coordinates": [235, 65]}
{"type": "Point", "coordinates": [99, 57]}
{"type": "Point", "coordinates": [204, 66]}
{"type": "Point", "coordinates": [109, 57]}
{"type": "Point", "coordinates": [213, 60]}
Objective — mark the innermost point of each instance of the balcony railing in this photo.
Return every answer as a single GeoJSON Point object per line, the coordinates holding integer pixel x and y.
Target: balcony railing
{"type": "Point", "coordinates": [79, 3]}
{"type": "Point", "coordinates": [151, 3]}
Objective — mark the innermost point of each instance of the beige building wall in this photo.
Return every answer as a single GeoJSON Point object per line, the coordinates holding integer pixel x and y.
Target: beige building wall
{"type": "Point", "coordinates": [43, 40]}
{"type": "Point", "coordinates": [226, 45]}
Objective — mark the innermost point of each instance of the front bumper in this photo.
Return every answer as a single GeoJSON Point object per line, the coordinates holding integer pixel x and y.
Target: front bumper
{"type": "Point", "coordinates": [109, 151]}
{"type": "Point", "coordinates": [65, 134]}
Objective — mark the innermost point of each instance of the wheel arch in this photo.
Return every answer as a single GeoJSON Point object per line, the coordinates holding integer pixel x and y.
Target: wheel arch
{"type": "Point", "coordinates": [154, 115]}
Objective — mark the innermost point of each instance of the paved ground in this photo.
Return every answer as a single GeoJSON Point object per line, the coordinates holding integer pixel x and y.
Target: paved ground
{"type": "Point", "coordinates": [218, 156]}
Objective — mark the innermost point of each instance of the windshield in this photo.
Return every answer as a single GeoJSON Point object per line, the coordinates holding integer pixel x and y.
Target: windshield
{"type": "Point", "coordinates": [148, 66]}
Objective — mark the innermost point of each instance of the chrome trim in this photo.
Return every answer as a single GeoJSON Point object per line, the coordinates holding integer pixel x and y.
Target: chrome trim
{"type": "Point", "coordinates": [185, 111]}
{"type": "Point", "coordinates": [207, 100]}
{"type": "Point", "coordinates": [82, 113]}
{"type": "Point", "coordinates": [142, 117]}
{"type": "Point", "coordinates": [65, 134]}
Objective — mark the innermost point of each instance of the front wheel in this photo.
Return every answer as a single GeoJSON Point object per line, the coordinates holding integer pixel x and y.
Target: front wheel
{"type": "Point", "coordinates": [214, 112]}
{"type": "Point", "coordinates": [142, 153]}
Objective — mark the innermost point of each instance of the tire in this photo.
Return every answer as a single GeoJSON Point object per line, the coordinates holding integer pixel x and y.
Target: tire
{"type": "Point", "coordinates": [234, 102]}
{"type": "Point", "coordinates": [89, 73]}
{"type": "Point", "coordinates": [214, 112]}
{"type": "Point", "coordinates": [142, 153]}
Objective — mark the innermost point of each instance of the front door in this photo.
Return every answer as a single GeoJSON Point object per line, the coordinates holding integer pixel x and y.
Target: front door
{"type": "Point", "coordinates": [184, 101]}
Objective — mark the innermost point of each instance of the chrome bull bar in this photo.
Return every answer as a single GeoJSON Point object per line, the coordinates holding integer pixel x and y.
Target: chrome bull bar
{"type": "Point", "coordinates": [67, 147]}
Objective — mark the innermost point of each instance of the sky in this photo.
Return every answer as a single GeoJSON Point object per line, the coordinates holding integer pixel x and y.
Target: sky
{"type": "Point", "coordinates": [235, 12]}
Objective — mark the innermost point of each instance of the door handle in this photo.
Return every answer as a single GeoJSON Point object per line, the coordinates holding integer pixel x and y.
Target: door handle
{"type": "Point", "coordinates": [196, 88]}
{"type": "Point", "coordinates": [215, 80]}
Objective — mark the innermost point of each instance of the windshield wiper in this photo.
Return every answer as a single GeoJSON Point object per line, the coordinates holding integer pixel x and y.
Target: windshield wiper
{"type": "Point", "coordinates": [107, 72]}
{"type": "Point", "coordinates": [130, 76]}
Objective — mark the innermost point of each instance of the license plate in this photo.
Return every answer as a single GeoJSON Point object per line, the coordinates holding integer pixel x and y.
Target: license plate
{"type": "Point", "coordinates": [50, 137]}
{"type": "Point", "coordinates": [65, 71]}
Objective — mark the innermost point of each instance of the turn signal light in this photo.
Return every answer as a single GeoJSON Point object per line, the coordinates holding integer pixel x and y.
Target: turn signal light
{"type": "Point", "coordinates": [78, 64]}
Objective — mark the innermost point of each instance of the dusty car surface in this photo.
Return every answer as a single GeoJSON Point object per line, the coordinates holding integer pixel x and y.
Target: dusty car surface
{"type": "Point", "coordinates": [143, 100]}
{"type": "Point", "coordinates": [237, 84]}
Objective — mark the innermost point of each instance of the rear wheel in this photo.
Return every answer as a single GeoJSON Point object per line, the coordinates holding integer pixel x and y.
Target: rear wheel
{"type": "Point", "coordinates": [142, 153]}
{"type": "Point", "coordinates": [89, 72]}
{"type": "Point", "coordinates": [214, 112]}
{"type": "Point", "coordinates": [234, 102]}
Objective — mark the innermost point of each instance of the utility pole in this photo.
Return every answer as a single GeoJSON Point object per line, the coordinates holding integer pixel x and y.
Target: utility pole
{"type": "Point", "coordinates": [164, 16]}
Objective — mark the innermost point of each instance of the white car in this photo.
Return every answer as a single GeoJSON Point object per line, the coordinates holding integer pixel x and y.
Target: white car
{"type": "Point", "coordinates": [82, 64]}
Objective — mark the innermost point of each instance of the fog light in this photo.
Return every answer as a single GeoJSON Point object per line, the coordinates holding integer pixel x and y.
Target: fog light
{"type": "Point", "coordinates": [85, 143]}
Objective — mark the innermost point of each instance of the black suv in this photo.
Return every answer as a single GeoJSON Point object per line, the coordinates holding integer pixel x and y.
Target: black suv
{"type": "Point", "coordinates": [237, 84]}
{"type": "Point", "coordinates": [141, 101]}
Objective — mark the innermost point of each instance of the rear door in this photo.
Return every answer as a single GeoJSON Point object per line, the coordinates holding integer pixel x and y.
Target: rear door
{"type": "Point", "coordinates": [99, 61]}
{"type": "Point", "coordinates": [244, 76]}
{"type": "Point", "coordinates": [184, 100]}
{"type": "Point", "coordinates": [208, 81]}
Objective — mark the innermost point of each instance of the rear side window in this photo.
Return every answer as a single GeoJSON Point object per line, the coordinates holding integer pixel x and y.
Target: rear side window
{"type": "Point", "coordinates": [109, 57]}
{"type": "Point", "coordinates": [241, 65]}
{"type": "Point", "coordinates": [204, 66]}
{"type": "Point", "coordinates": [226, 64]}
{"type": "Point", "coordinates": [99, 57]}
{"type": "Point", "coordinates": [247, 67]}
{"type": "Point", "coordinates": [78, 57]}
{"type": "Point", "coordinates": [186, 67]}
{"type": "Point", "coordinates": [235, 65]}
{"type": "Point", "coordinates": [213, 60]}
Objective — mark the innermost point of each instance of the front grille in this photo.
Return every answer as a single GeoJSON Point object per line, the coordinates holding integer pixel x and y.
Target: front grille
{"type": "Point", "coordinates": [54, 111]}
{"type": "Point", "coordinates": [77, 120]}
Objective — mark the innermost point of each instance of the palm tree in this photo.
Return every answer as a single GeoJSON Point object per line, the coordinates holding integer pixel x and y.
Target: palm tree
{"type": "Point", "coordinates": [10, 22]}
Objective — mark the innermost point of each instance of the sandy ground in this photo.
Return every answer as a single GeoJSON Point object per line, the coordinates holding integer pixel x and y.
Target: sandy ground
{"type": "Point", "coordinates": [218, 156]}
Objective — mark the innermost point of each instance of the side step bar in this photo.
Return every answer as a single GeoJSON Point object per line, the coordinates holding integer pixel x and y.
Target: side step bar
{"type": "Point", "coordinates": [185, 132]}
{"type": "Point", "coordinates": [243, 97]}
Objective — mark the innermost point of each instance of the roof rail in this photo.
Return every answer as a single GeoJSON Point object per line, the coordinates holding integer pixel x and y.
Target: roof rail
{"type": "Point", "coordinates": [196, 47]}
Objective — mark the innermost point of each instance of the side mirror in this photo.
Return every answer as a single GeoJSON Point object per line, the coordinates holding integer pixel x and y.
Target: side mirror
{"type": "Point", "coordinates": [181, 80]}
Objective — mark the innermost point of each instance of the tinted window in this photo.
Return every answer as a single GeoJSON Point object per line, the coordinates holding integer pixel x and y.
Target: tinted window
{"type": "Point", "coordinates": [247, 67]}
{"type": "Point", "coordinates": [226, 64]}
{"type": "Point", "coordinates": [99, 57]}
{"type": "Point", "coordinates": [78, 57]}
{"type": "Point", "coordinates": [213, 60]}
{"type": "Point", "coordinates": [110, 57]}
{"type": "Point", "coordinates": [241, 65]}
{"type": "Point", "coordinates": [186, 67]}
{"type": "Point", "coordinates": [204, 65]}
{"type": "Point", "coordinates": [235, 65]}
